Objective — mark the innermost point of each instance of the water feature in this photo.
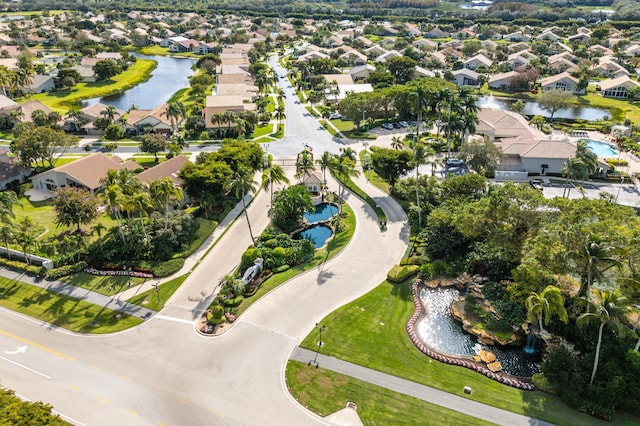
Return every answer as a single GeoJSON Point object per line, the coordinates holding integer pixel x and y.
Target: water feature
{"type": "Point", "coordinates": [532, 108]}
{"type": "Point", "coordinates": [324, 211]}
{"type": "Point", "coordinates": [317, 234]}
{"type": "Point", "coordinates": [530, 346]}
{"type": "Point", "coordinates": [601, 149]}
{"type": "Point", "coordinates": [171, 75]}
{"type": "Point", "coordinates": [440, 331]}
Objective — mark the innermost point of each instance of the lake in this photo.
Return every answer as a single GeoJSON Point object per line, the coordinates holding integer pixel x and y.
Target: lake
{"type": "Point", "coordinates": [532, 108]}
{"type": "Point", "coordinates": [171, 75]}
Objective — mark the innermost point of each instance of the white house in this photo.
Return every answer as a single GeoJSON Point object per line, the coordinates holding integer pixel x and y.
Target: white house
{"type": "Point", "coordinates": [465, 77]}
{"type": "Point", "coordinates": [563, 81]}
{"type": "Point", "coordinates": [617, 87]}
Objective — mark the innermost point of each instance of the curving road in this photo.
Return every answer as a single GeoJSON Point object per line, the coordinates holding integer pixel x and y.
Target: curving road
{"type": "Point", "coordinates": [162, 372]}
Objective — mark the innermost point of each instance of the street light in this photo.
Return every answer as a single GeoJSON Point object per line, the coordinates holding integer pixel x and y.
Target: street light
{"type": "Point", "coordinates": [363, 113]}
{"type": "Point", "coordinates": [620, 187]}
{"type": "Point", "coordinates": [157, 290]}
{"type": "Point", "coordinates": [314, 361]}
{"type": "Point", "coordinates": [366, 165]}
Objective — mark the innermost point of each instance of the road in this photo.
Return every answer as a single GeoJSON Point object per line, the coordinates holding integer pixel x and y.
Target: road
{"type": "Point", "coordinates": [163, 372]}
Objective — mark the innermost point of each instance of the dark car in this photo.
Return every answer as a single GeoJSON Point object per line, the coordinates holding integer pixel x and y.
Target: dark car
{"type": "Point", "coordinates": [536, 183]}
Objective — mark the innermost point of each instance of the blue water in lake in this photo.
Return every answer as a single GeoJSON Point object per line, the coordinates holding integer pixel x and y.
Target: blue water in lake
{"type": "Point", "coordinates": [601, 149]}
{"type": "Point", "coordinates": [318, 234]}
{"type": "Point", "coordinates": [323, 211]}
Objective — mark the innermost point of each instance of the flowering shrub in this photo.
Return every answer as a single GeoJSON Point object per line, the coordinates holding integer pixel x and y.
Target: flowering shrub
{"type": "Point", "coordinates": [121, 272]}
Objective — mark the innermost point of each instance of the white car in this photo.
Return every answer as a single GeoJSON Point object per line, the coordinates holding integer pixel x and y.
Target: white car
{"type": "Point", "coordinates": [334, 115]}
{"type": "Point", "coordinates": [387, 126]}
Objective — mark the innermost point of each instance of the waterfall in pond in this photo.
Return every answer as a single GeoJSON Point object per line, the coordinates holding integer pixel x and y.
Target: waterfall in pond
{"type": "Point", "coordinates": [530, 346]}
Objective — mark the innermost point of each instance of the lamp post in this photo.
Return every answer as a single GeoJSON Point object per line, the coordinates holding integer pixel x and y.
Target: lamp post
{"type": "Point", "coordinates": [157, 290]}
{"type": "Point", "coordinates": [363, 113]}
{"type": "Point", "coordinates": [620, 187]}
{"type": "Point", "coordinates": [366, 165]}
{"type": "Point", "coordinates": [314, 361]}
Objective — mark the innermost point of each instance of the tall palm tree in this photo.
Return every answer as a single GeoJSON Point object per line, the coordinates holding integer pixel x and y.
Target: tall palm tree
{"type": "Point", "coordinates": [420, 98]}
{"type": "Point", "coordinates": [241, 126]}
{"type": "Point", "coordinates": [304, 164]}
{"type": "Point", "coordinates": [396, 143]}
{"type": "Point", "coordinates": [217, 119]}
{"type": "Point", "coordinates": [164, 192]}
{"type": "Point", "coordinates": [8, 199]}
{"type": "Point", "coordinates": [229, 117]}
{"type": "Point", "coordinates": [325, 163]}
{"type": "Point", "coordinates": [574, 168]}
{"type": "Point", "coordinates": [7, 235]}
{"type": "Point", "coordinates": [343, 168]}
{"type": "Point", "coordinates": [273, 174]}
{"type": "Point", "coordinates": [545, 305]}
{"type": "Point", "coordinates": [608, 309]}
{"type": "Point", "coordinates": [241, 184]}
{"type": "Point", "coordinates": [141, 203]}
{"type": "Point", "coordinates": [420, 155]}
{"type": "Point", "coordinates": [279, 114]}
{"type": "Point", "coordinates": [26, 236]}
{"type": "Point", "coordinates": [109, 113]}
{"type": "Point", "coordinates": [174, 112]}
{"type": "Point", "coordinates": [593, 258]}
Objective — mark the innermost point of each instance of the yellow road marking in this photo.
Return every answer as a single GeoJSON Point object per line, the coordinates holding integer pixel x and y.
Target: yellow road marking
{"type": "Point", "coordinates": [37, 345]}
{"type": "Point", "coordinates": [184, 401]}
{"type": "Point", "coordinates": [215, 413]}
{"type": "Point", "coordinates": [75, 388]}
{"type": "Point", "coordinates": [132, 411]}
{"type": "Point", "coordinates": [125, 378]}
{"type": "Point", "coordinates": [95, 367]}
{"type": "Point", "coordinates": [162, 424]}
{"type": "Point", "coordinates": [105, 400]}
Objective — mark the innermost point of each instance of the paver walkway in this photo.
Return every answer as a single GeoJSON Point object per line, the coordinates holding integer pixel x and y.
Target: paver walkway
{"type": "Point", "coordinates": [416, 390]}
{"type": "Point", "coordinates": [110, 302]}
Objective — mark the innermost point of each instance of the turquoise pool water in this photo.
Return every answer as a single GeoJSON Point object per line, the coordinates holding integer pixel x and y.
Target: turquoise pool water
{"type": "Point", "coordinates": [318, 234]}
{"type": "Point", "coordinates": [323, 211]}
{"type": "Point", "coordinates": [601, 149]}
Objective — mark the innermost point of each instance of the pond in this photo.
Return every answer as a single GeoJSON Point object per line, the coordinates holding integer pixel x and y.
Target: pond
{"type": "Point", "coordinates": [532, 108]}
{"type": "Point", "coordinates": [441, 332]}
{"type": "Point", "coordinates": [317, 234]}
{"type": "Point", "coordinates": [171, 75]}
{"type": "Point", "coordinates": [324, 211]}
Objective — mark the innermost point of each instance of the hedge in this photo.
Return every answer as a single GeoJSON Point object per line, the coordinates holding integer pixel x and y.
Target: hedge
{"type": "Point", "coordinates": [55, 273]}
{"type": "Point", "coordinates": [19, 266]}
{"type": "Point", "coordinates": [232, 303]}
{"type": "Point", "coordinates": [399, 274]}
{"type": "Point", "coordinates": [281, 268]}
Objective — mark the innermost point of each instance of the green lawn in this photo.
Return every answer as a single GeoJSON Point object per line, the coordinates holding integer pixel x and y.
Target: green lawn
{"type": "Point", "coordinates": [107, 285]}
{"type": "Point", "coordinates": [324, 392]}
{"type": "Point", "coordinates": [371, 331]}
{"type": "Point", "coordinates": [262, 130]}
{"type": "Point", "coordinates": [156, 300]}
{"type": "Point", "coordinates": [164, 51]}
{"type": "Point", "coordinates": [332, 248]}
{"type": "Point", "coordinates": [63, 100]}
{"type": "Point", "coordinates": [63, 311]}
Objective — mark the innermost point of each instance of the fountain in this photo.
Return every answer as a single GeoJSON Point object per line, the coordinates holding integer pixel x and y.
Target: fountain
{"type": "Point", "coordinates": [530, 346]}
{"type": "Point", "coordinates": [252, 271]}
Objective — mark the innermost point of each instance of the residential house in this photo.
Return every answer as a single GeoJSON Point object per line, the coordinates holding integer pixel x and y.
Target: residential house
{"type": "Point", "coordinates": [503, 81]}
{"type": "Point", "coordinates": [412, 30]}
{"type": "Point", "coordinates": [563, 65]}
{"type": "Point", "coordinates": [518, 47]}
{"type": "Point", "coordinates": [150, 120]}
{"type": "Point", "coordinates": [374, 51]}
{"type": "Point", "coordinates": [517, 36]}
{"type": "Point", "coordinates": [579, 38]}
{"type": "Point", "coordinates": [365, 42]}
{"type": "Point", "coordinates": [167, 169]}
{"type": "Point", "coordinates": [86, 173]}
{"type": "Point", "coordinates": [312, 55]}
{"type": "Point", "coordinates": [617, 87]}
{"type": "Point", "coordinates": [354, 57]}
{"type": "Point", "coordinates": [313, 182]}
{"type": "Point", "coordinates": [11, 171]}
{"type": "Point", "coordinates": [388, 55]}
{"type": "Point", "coordinates": [360, 73]}
{"type": "Point", "coordinates": [436, 33]}
{"type": "Point", "coordinates": [519, 59]}
{"type": "Point", "coordinates": [563, 81]}
{"type": "Point", "coordinates": [465, 77]}
{"type": "Point", "coordinates": [608, 67]}
{"type": "Point", "coordinates": [478, 60]}
{"type": "Point", "coordinates": [220, 105]}
{"type": "Point", "coordinates": [632, 50]}
{"type": "Point", "coordinates": [424, 44]}
{"type": "Point", "coordinates": [41, 83]}
{"type": "Point", "coordinates": [420, 72]}
{"type": "Point", "coordinates": [187, 45]}
{"type": "Point", "coordinates": [343, 90]}
{"type": "Point", "coordinates": [599, 48]}
{"type": "Point", "coordinates": [549, 36]}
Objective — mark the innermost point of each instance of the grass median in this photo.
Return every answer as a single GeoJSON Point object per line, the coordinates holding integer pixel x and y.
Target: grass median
{"type": "Point", "coordinates": [325, 392]}
{"type": "Point", "coordinates": [62, 311]}
{"type": "Point", "coordinates": [156, 299]}
{"type": "Point", "coordinates": [370, 331]}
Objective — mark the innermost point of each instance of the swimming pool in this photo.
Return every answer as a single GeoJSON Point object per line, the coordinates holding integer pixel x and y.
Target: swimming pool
{"type": "Point", "coordinates": [323, 211]}
{"type": "Point", "coordinates": [601, 149]}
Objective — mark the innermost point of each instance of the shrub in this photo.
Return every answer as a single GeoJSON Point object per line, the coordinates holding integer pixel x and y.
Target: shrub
{"type": "Point", "coordinates": [399, 274]}
{"type": "Point", "coordinates": [541, 382]}
{"type": "Point", "coordinates": [232, 303]}
{"type": "Point", "coordinates": [414, 260]}
{"type": "Point", "coordinates": [17, 265]}
{"type": "Point", "coordinates": [281, 268]}
{"type": "Point", "coordinates": [55, 273]}
{"type": "Point", "coordinates": [166, 268]}
{"type": "Point", "coordinates": [248, 257]}
{"type": "Point", "coordinates": [216, 315]}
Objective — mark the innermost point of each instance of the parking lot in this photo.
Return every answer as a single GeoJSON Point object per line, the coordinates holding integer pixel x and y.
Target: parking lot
{"type": "Point", "coordinates": [626, 194]}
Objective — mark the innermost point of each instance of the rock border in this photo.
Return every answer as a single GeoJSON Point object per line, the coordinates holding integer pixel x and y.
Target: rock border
{"type": "Point", "coordinates": [448, 359]}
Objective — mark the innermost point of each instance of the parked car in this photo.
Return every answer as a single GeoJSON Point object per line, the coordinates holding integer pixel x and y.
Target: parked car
{"type": "Point", "coordinates": [387, 126]}
{"type": "Point", "coordinates": [396, 125]}
{"type": "Point", "coordinates": [536, 184]}
{"type": "Point", "coordinates": [404, 124]}
{"type": "Point", "coordinates": [334, 115]}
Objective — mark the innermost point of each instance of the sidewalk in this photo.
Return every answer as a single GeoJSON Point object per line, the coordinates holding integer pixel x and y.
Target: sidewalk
{"type": "Point", "coordinates": [80, 293]}
{"type": "Point", "coordinates": [416, 390]}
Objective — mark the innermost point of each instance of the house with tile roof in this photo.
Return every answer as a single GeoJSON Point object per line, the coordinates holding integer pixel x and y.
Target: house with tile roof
{"type": "Point", "coordinates": [86, 173]}
{"type": "Point", "coordinates": [11, 171]}
{"type": "Point", "coordinates": [149, 120]}
{"type": "Point", "coordinates": [617, 87]}
{"type": "Point", "coordinates": [167, 169]}
{"type": "Point", "coordinates": [562, 81]}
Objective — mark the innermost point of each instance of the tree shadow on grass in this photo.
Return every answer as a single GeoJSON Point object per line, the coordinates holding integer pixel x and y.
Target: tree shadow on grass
{"type": "Point", "coordinates": [403, 290]}
{"type": "Point", "coordinates": [7, 292]}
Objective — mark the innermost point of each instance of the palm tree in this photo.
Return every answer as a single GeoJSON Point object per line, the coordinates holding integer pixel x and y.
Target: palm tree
{"type": "Point", "coordinates": [421, 96]}
{"type": "Point", "coordinates": [5, 78]}
{"type": "Point", "coordinates": [217, 119]}
{"type": "Point", "coordinates": [304, 164]}
{"type": "Point", "coordinates": [242, 183]}
{"type": "Point", "coordinates": [26, 235]}
{"type": "Point", "coordinates": [7, 236]}
{"type": "Point", "coordinates": [109, 113]}
{"type": "Point", "coordinates": [241, 126]}
{"type": "Point", "coordinates": [7, 200]}
{"type": "Point", "coordinates": [420, 155]}
{"type": "Point", "coordinates": [141, 202]}
{"type": "Point", "coordinates": [325, 163]}
{"type": "Point", "coordinates": [164, 192]}
{"type": "Point", "coordinates": [538, 121]}
{"type": "Point", "coordinates": [343, 168]}
{"type": "Point", "coordinates": [545, 305]}
{"type": "Point", "coordinates": [229, 117]}
{"type": "Point", "coordinates": [593, 258]}
{"type": "Point", "coordinates": [175, 110]}
{"type": "Point", "coordinates": [396, 143]}
{"type": "Point", "coordinates": [574, 168]}
{"type": "Point", "coordinates": [607, 310]}
{"type": "Point", "coordinates": [273, 174]}
{"type": "Point", "coordinates": [279, 114]}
